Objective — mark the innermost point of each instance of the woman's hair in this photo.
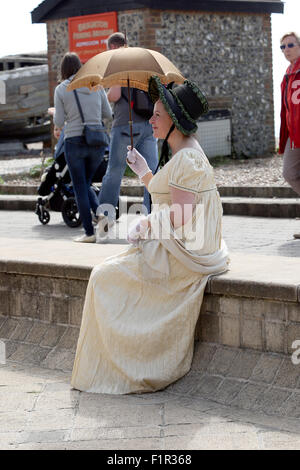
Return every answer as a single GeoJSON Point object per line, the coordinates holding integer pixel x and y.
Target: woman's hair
{"type": "Point", "coordinates": [291, 34]}
{"type": "Point", "coordinates": [70, 64]}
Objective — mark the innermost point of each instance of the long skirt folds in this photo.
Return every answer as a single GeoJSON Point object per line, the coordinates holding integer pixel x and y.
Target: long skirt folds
{"type": "Point", "coordinates": [136, 335]}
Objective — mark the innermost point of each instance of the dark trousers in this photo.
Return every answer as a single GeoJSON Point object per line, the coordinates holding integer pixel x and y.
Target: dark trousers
{"type": "Point", "coordinates": [291, 167]}
{"type": "Point", "coordinates": [83, 162]}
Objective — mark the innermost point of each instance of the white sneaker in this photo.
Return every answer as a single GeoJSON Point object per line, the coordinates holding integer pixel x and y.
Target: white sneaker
{"type": "Point", "coordinates": [85, 239]}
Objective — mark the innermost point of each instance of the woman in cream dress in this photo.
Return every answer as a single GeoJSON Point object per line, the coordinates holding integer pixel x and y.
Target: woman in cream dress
{"type": "Point", "coordinates": [142, 306]}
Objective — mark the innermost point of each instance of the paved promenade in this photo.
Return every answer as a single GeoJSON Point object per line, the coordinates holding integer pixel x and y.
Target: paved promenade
{"type": "Point", "coordinates": [18, 165]}
{"type": "Point", "coordinates": [39, 410]}
{"type": "Point", "coordinates": [256, 235]}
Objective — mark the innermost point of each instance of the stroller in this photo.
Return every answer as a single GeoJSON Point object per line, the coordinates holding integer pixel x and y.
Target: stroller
{"type": "Point", "coordinates": [56, 186]}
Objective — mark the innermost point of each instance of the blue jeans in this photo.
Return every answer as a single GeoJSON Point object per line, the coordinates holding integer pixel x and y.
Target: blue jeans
{"type": "Point", "coordinates": [83, 162]}
{"type": "Point", "coordinates": [144, 142]}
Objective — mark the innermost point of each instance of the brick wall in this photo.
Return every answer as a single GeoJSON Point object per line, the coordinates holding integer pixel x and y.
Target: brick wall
{"type": "Point", "coordinates": [237, 321]}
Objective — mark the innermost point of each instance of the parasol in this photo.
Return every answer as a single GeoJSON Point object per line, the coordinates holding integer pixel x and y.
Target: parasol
{"type": "Point", "coordinates": [127, 67]}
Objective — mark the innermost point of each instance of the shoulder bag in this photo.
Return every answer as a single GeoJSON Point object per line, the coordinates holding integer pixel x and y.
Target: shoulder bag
{"type": "Point", "coordinates": [95, 134]}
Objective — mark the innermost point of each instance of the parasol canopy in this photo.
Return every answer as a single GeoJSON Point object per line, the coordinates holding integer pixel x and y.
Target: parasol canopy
{"type": "Point", "coordinates": [117, 66]}
{"type": "Point", "coordinates": [126, 67]}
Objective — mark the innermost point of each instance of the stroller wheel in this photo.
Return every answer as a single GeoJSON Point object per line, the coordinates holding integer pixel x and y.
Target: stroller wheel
{"type": "Point", "coordinates": [44, 216]}
{"type": "Point", "coordinates": [70, 213]}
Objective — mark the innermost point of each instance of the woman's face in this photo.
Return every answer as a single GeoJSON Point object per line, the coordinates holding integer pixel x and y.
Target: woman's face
{"type": "Point", "coordinates": [56, 132]}
{"type": "Point", "coordinates": [160, 121]}
{"type": "Point", "coordinates": [290, 53]}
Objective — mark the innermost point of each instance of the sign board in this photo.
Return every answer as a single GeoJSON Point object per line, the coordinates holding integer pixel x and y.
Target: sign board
{"type": "Point", "coordinates": [88, 34]}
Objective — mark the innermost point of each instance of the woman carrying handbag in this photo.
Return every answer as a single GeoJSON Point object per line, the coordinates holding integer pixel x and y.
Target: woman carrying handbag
{"type": "Point", "coordinates": [82, 158]}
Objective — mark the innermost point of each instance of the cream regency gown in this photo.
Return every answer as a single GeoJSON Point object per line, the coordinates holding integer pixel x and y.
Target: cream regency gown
{"type": "Point", "coordinates": [141, 306]}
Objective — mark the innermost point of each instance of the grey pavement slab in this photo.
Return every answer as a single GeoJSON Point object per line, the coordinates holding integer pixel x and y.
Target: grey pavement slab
{"type": "Point", "coordinates": [261, 249]}
{"type": "Point", "coordinates": [261, 235]}
{"type": "Point", "coordinates": [39, 410]}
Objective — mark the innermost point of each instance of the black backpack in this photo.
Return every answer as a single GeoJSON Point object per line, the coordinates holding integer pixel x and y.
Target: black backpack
{"type": "Point", "coordinates": [140, 102]}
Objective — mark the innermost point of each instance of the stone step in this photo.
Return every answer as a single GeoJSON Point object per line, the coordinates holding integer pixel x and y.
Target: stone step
{"type": "Point", "coordinates": [262, 207]}
{"type": "Point", "coordinates": [28, 202]}
{"type": "Point", "coordinates": [257, 191]}
{"type": "Point", "coordinates": [137, 190]}
{"type": "Point", "coordinates": [31, 190]}
{"type": "Point", "coordinates": [255, 207]}
{"type": "Point", "coordinates": [8, 189]}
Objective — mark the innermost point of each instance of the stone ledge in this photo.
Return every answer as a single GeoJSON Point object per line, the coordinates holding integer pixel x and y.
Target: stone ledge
{"type": "Point", "coordinates": [49, 270]}
{"type": "Point", "coordinates": [253, 289]}
{"type": "Point", "coordinates": [226, 284]}
{"type": "Point", "coordinates": [254, 305]}
{"type": "Point", "coordinates": [237, 311]}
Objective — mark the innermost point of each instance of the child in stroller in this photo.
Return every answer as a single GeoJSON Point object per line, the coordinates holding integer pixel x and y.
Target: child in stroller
{"type": "Point", "coordinates": [56, 186]}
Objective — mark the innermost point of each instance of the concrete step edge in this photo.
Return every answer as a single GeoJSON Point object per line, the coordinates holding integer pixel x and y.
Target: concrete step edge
{"type": "Point", "coordinates": [225, 199]}
{"type": "Point", "coordinates": [31, 190]}
{"type": "Point", "coordinates": [228, 284]}
{"type": "Point", "coordinates": [225, 191]}
{"type": "Point", "coordinates": [255, 207]}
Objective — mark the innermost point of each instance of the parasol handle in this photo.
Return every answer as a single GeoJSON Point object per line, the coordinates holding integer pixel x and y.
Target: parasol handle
{"type": "Point", "coordinates": [130, 114]}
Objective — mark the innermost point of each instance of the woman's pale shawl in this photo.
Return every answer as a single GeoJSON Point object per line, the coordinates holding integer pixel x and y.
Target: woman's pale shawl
{"type": "Point", "coordinates": [155, 251]}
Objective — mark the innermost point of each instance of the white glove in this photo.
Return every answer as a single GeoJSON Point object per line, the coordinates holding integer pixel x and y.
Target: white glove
{"type": "Point", "coordinates": [137, 230]}
{"type": "Point", "coordinates": [137, 162]}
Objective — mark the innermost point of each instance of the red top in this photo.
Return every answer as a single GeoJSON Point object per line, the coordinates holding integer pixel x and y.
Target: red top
{"type": "Point", "coordinates": [290, 107]}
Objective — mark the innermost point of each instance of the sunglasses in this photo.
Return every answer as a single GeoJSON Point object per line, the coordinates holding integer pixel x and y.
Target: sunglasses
{"type": "Point", "coordinates": [290, 45]}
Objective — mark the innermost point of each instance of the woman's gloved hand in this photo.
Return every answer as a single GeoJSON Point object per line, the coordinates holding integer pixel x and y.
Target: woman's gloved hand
{"type": "Point", "coordinates": [137, 162]}
{"type": "Point", "coordinates": [137, 230]}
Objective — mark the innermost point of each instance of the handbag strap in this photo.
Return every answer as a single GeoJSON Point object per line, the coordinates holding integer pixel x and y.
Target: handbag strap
{"type": "Point", "coordinates": [79, 106]}
{"type": "Point", "coordinates": [124, 95]}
